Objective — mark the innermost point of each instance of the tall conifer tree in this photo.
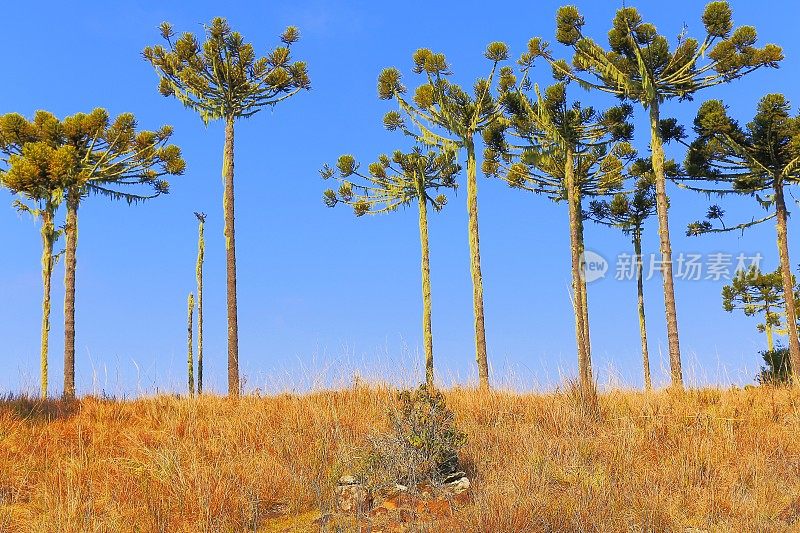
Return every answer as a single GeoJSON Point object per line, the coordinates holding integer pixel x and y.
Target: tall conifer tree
{"type": "Point", "coordinates": [37, 166]}
{"type": "Point", "coordinates": [640, 66]}
{"type": "Point", "coordinates": [221, 79]}
{"type": "Point", "coordinates": [390, 183]}
{"type": "Point", "coordinates": [761, 160]}
{"type": "Point", "coordinates": [566, 152]}
{"type": "Point", "coordinates": [442, 114]}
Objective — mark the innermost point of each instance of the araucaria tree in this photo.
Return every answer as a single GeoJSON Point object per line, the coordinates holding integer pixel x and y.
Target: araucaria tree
{"type": "Point", "coordinates": [444, 115]}
{"type": "Point", "coordinates": [201, 253]}
{"type": "Point", "coordinates": [389, 183]}
{"type": "Point", "coordinates": [629, 212]}
{"type": "Point", "coordinates": [118, 162]}
{"type": "Point", "coordinates": [223, 80]}
{"type": "Point", "coordinates": [761, 159]}
{"type": "Point", "coordinates": [37, 167]}
{"type": "Point", "coordinates": [754, 293]}
{"type": "Point", "coordinates": [640, 66]}
{"type": "Point", "coordinates": [566, 152]}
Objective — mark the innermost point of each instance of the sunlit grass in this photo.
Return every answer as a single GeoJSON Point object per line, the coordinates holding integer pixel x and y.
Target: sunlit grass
{"type": "Point", "coordinates": [711, 459]}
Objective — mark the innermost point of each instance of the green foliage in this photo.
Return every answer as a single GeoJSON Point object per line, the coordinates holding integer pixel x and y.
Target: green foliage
{"type": "Point", "coordinates": [717, 19]}
{"type": "Point", "coordinates": [628, 211]}
{"type": "Point", "coordinates": [392, 182]}
{"type": "Point", "coordinates": [422, 445]}
{"type": "Point", "coordinates": [37, 164]}
{"type": "Point", "coordinates": [440, 112]}
{"type": "Point", "coordinates": [726, 158]}
{"type": "Point", "coordinates": [778, 369]}
{"type": "Point", "coordinates": [222, 78]}
{"type": "Point", "coordinates": [529, 146]}
{"type": "Point", "coordinates": [116, 157]}
{"type": "Point", "coordinates": [639, 63]}
{"type": "Point", "coordinates": [748, 158]}
{"type": "Point", "coordinates": [86, 152]}
{"type": "Point", "coordinates": [755, 293]}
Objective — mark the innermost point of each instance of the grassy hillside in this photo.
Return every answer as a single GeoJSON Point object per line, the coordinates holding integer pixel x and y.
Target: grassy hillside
{"type": "Point", "coordinates": [717, 460]}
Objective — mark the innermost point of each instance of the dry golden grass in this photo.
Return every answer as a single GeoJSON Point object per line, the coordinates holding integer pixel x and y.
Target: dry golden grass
{"type": "Point", "coordinates": [717, 460]}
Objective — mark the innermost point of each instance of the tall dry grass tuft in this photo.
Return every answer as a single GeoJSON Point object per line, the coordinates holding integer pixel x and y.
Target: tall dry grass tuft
{"type": "Point", "coordinates": [721, 460]}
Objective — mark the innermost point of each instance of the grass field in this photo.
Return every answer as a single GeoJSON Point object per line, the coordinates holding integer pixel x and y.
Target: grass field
{"type": "Point", "coordinates": [715, 460]}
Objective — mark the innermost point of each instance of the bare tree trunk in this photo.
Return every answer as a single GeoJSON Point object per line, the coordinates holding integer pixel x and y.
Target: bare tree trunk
{"type": "Point", "coordinates": [637, 247]}
{"type": "Point", "coordinates": [190, 343]}
{"type": "Point", "coordinates": [426, 289]}
{"type": "Point", "coordinates": [475, 267]}
{"type": "Point", "coordinates": [770, 340]}
{"type": "Point", "coordinates": [230, 261]}
{"type": "Point", "coordinates": [788, 288]}
{"type": "Point", "coordinates": [584, 292]}
{"type": "Point", "coordinates": [70, 263]}
{"type": "Point", "coordinates": [662, 206]}
{"type": "Point", "coordinates": [201, 248]}
{"type": "Point", "coordinates": [48, 238]}
{"type": "Point", "coordinates": [584, 363]}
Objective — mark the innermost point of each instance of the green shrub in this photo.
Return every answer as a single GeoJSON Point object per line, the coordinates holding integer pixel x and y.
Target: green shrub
{"type": "Point", "coordinates": [422, 444]}
{"type": "Point", "coordinates": [778, 369]}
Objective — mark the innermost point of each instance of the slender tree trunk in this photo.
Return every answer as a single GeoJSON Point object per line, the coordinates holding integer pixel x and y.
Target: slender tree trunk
{"type": "Point", "coordinates": [637, 247]}
{"type": "Point", "coordinates": [70, 263]}
{"type": "Point", "coordinates": [201, 248]}
{"type": "Point", "coordinates": [475, 266]}
{"type": "Point", "coordinates": [584, 292]}
{"type": "Point", "coordinates": [426, 289]}
{"type": "Point", "coordinates": [48, 238]}
{"type": "Point", "coordinates": [190, 357]}
{"type": "Point", "coordinates": [584, 363]}
{"type": "Point", "coordinates": [230, 259]}
{"type": "Point", "coordinates": [770, 340]}
{"type": "Point", "coordinates": [662, 206]}
{"type": "Point", "coordinates": [788, 288]}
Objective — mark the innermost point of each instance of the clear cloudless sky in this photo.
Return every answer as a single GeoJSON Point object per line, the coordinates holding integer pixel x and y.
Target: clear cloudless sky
{"type": "Point", "coordinates": [321, 293]}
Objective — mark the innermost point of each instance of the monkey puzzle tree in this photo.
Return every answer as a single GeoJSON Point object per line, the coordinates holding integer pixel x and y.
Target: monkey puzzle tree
{"type": "Point", "coordinates": [762, 160]}
{"type": "Point", "coordinates": [389, 184]}
{"type": "Point", "coordinates": [565, 152]}
{"type": "Point", "coordinates": [444, 115]}
{"type": "Point", "coordinates": [118, 162]}
{"type": "Point", "coordinates": [629, 212]}
{"type": "Point", "coordinates": [37, 167]}
{"type": "Point", "coordinates": [201, 252]}
{"type": "Point", "coordinates": [223, 80]}
{"type": "Point", "coordinates": [640, 66]}
{"type": "Point", "coordinates": [754, 293]}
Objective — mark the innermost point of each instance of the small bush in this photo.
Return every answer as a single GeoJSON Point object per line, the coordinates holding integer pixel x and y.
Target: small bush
{"type": "Point", "coordinates": [422, 444]}
{"type": "Point", "coordinates": [778, 369]}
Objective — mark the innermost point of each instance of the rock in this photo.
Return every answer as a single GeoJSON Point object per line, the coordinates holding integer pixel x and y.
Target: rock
{"type": "Point", "coordinates": [457, 486]}
{"type": "Point", "coordinates": [351, 496]}
{"type": "Point", "coordinates": [389, 492]}
{"type": "Point", "coordinates": [455, 476]}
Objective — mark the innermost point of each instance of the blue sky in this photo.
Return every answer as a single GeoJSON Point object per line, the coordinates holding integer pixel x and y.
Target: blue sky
{"type": "Point", "coordinates": [321, 293]}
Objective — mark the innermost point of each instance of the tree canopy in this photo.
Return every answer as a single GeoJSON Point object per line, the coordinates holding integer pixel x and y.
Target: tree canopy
{"type": "Point", "coordinates": [391, 182]}
{"type": "Point", "coordinates": [222, 78]}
